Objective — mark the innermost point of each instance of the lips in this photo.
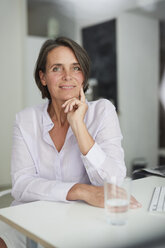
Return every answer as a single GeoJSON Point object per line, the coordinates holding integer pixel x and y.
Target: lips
{"type": "Point", "coordinates": [66, 86]}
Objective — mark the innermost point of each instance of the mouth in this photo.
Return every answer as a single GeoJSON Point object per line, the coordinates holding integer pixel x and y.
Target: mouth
{"type": "Point", "coordinates": [66, 87]}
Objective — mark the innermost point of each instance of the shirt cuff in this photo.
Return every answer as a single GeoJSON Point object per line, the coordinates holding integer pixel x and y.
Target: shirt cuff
{"type": "Point", "coordinates": [63, 189]}
{"type": "Point", "coordinates": [95, 157]}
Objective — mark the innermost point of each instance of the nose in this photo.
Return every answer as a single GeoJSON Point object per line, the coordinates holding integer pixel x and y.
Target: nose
{"type": "Point", "coordinates": [67, 75]}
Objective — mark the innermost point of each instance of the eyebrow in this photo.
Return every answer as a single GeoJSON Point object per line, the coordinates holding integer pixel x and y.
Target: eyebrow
{"type": "Point", "coordinates": [55, 65]}
{"type": "Point", "coordinates": [76, 64]}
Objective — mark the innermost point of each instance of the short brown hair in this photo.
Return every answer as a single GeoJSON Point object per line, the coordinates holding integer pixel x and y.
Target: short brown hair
{"type": "Point", "coordinates": [49, 45]}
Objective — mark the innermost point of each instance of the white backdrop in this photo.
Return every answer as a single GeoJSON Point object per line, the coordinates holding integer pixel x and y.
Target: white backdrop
{"type": "Point", "coordinates": [31, 91]}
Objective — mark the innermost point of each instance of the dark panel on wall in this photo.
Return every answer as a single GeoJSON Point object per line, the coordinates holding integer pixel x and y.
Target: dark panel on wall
{"type": "Point", "coordinates": [162, 69]}
{"type": "Point", "coordinates": [100, 43]}
{"type": "Point", "coordinates": [162, 48]}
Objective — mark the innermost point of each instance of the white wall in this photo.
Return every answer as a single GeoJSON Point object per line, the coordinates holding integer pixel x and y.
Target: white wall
{"type": "Point", "coordinates": [12, 30]}
{"type": "Point", "coordinates": [32, 93]}
{"type": "Point", "coordinates": [138, 70]}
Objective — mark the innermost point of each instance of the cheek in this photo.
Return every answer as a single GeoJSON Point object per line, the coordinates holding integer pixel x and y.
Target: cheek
{"type": "Point", "coordinates": [52, 80]}
{"type": "Point", "coordinates": [79, 78]}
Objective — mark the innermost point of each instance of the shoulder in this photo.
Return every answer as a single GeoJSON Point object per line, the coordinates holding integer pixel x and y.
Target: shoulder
{"type": "Point", "coordinates": [101, 106]}
{"type": "Point", "coordinates": [99, 113]}
{"type": "Point", "coordinates": [30, 113]}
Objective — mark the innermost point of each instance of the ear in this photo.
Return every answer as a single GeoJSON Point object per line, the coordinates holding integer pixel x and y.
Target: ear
{"type": "Point", "coordinates": [42, 78]}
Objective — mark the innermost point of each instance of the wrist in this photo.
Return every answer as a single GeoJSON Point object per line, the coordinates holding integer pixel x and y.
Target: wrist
{"type": "Point", "coordinates": [84, 139]}
{"type": "Point", "coordinates": [78, 192]}
{"type": "Point", "coordinates": [77, 125]}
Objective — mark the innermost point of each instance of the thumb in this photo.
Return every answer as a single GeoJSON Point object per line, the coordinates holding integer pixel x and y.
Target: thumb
{"type": "Point", "coordinates": [82, 95]}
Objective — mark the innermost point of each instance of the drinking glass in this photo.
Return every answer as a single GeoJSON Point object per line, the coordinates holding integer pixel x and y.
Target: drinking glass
{"type": "Point", "coordinates": [116, 200]}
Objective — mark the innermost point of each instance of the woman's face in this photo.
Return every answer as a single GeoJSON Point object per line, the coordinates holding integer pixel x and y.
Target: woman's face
{"type": "Point", "coordinates": [63, 75]}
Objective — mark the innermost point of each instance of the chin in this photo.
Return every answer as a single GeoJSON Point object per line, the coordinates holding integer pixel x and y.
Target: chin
{"type": "Point", "coordinates": [69, 96]}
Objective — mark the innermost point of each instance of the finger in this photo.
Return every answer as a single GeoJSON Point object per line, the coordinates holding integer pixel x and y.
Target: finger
{"type": "Point", "coordinates": [65, 103]}
{"type": "Point", "coordinates": [82, 95]}
{"type": "Point", "coordinates": [134, 203]}
{"type": "Point", "coordinates": [67, 106]}
{"type": "Point", "coordinates": [72, 104]}
{"type": "Point", "coordinates": [66, 109]}
{"type": "Point", "coordinates": [68, 101]}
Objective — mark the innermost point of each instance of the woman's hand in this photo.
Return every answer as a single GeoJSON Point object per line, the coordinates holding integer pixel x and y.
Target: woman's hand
{"type": "Point", "coordinates": [94, 195]}
{"type": "Point", "coordinates": [75, 109]}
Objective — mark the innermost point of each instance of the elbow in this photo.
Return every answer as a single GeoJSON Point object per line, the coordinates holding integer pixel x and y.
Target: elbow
{"type": "Point", "coordinates": [16, 194]}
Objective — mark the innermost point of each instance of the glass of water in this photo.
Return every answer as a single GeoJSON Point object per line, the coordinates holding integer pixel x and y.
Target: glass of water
{"type": "Point", "coordinates": [116, 200]}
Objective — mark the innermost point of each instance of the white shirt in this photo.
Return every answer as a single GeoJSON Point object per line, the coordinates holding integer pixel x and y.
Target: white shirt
{"type": "Point", "coordinates": [40, 172]}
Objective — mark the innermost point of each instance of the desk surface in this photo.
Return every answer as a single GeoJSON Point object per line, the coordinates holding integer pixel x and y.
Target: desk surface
{"type": "Point", "coordinates": [77, 224]}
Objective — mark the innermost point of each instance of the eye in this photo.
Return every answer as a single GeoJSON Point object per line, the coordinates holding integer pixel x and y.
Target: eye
{"type": "Point", "coordinates": [76, 68]}
{"type": "Point", "coordinates": [57, 68]}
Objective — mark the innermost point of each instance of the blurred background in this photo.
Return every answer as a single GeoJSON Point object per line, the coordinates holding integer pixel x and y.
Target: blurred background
{"type": "Point", "coordinates": [125, 40]}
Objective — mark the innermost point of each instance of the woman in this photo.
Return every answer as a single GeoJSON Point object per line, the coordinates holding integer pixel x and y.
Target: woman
{"type": "Point", "coordinates": [64, 150]}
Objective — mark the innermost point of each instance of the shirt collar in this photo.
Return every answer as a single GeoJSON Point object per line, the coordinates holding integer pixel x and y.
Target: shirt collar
{"type": "Point", "coordinates": [47, 122]}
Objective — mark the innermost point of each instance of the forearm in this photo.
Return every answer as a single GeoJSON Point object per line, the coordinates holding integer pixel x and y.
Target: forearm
{"type": "Point", "coordinates": [78, 192]}
{"type": "Point", "coordinates": [93, 195]}
{"type": "Point", "coordinates": [32, 188]}
{"type": "Point", "coordinates": [84, 139]}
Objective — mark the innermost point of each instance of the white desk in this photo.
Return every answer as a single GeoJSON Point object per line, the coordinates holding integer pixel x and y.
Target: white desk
{"type": "Point", "coordinates": [82, 226]}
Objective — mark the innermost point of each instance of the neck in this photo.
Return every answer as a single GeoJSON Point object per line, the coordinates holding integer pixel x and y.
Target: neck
{"type": "Point", "coordinates": [57, 114]}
